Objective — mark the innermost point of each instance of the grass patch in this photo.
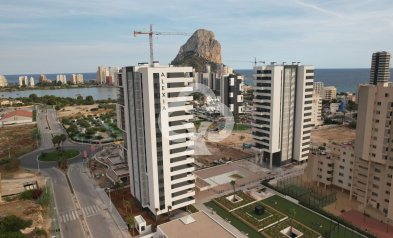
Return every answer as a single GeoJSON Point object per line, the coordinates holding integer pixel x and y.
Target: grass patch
{"type": "Point", "coordinates": [56, 155]}
{"type": "Point", "coordinates": [241, 127]}
{"type": "Point", "coordinates": [275, 231]}
{"type": "Point", "coordinates": [308, 218]}
{"type": "Point", "coordinates": [236, 176]}
{"type": "Point", "coordinates": [233, 220]}
{"type": "Point", "coordinates": [258, 217]}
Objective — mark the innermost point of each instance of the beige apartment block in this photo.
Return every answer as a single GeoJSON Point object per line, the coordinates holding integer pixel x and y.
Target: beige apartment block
{"type": "Point", "coordinates": [373, 167]}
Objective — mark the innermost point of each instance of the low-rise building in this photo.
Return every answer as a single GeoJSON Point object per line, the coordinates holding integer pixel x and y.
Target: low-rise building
{"type": "Point", "coordinates": [196, 225]}
{"type": "Point", "coordinates": [17, 117]}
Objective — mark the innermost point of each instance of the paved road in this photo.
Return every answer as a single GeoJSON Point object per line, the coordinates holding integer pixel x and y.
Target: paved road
{"type": "Point", "coordinates": [85, 205]}
{"type": "Point", "coordinates": [95, 211]}
{"type": "Point", "coordinates": [69, 221]}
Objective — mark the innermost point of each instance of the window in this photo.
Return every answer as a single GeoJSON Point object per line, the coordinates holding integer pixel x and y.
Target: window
{"type": "Point", "coordinates": [386, 95]}
{"type": "Point", "coordinates": [379, 103]}
{"type": "Point", "coordinates": [309, 71]}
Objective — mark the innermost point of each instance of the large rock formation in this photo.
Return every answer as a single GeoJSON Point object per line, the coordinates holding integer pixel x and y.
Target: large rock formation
{"type": "Point", "coordinates": [200, 49]}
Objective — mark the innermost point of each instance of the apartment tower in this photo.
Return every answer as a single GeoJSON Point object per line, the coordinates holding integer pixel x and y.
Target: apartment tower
{"type": "Point", "coordinates": [380, 70]}
{"type": "Point", "coordinates": [153, 111]}
{"type": "Point", "coordinates": [373, 166]}
{"type": "Point", "coordinates": [282, 113]}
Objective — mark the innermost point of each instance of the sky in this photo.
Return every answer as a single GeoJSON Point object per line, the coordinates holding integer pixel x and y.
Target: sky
{"type": "Point", "coordinates": [52, 36]}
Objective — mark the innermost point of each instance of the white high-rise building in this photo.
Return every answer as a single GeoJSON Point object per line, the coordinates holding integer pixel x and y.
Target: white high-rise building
{"type": "Point", "coordinates": [113, 71]}
{"type": "Point", "coordinates": [102, 72]}
{"type": "Point", "coordinates": [158, 130]}
{"type": "Point", "coordinates": [61, 78]}
{"type": "Point", "coordinates": [31, 82]}
{"type": "Point", "coordinates": [282, 114]}
{"type": "Point", "coordinates": [23, 81]}
{"type": "Point", "coordinates": [3, 81]}
{"type": "Point", "coordinates": [77, 79]}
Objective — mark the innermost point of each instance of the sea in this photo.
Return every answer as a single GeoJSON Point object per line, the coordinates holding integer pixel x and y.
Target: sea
{"type": "Point", "coordinates": [345, 80]}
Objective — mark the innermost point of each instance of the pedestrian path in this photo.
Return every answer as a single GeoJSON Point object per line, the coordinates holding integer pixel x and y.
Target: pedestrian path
{"type": "Point", "coordinates": [68, 216]}
{"type": "Point", "coordinates": [90, 210]}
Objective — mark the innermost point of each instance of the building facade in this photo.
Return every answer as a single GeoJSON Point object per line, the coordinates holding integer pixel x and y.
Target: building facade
{"type": "Point", "coordinates": [380, 67]}
{"type": "Point", "coordinates": [153, 112]}
{"type": "Point", "coordinates": [329, 93]}
{"type": "Point", "coordinates": [316, 118]}
{"type": "Point", "coordinates": [102, 72]}
{"type": "Point", "coordinates": [23, 81]}
{"type": "Point", "coordinates": [318, 88]}
{"type": "Point", "coordinates": [231, 87]}
{"type": "Point", "coordinates": [61, 78]}
{"type": "Point", "coordinates": [373, 168]}
{"type": "Point", "coordinates": [3, 81]}
{"type": "Point", "coordinates": [282, 113]}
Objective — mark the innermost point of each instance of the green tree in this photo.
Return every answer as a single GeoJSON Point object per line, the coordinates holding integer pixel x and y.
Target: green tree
{"type": "Point", "coordinates": [62, 138]}
{"type": "Point", "coordinates": [89, 100]}
{"type": "Point", "coordinates": [13, 224]}
{"type": "Point", "coordinates": [131, 223]}
{"type": "Point", "coordinates": [56, 140]}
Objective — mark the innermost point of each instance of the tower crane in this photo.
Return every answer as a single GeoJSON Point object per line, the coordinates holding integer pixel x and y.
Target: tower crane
{"type": "Point", "coordinates": [256, 62]}
{"type": "Point", "coordinates": [151, 33]}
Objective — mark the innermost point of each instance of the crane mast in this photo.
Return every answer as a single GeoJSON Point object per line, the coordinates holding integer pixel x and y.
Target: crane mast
{"type": "Point", "coordinates": [151, 33]}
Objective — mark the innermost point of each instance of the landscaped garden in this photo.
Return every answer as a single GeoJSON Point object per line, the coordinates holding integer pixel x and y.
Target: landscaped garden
{"type": "Point", "coordinates": [229, 203]}
{"type": "Point", "coordinates": [93, 129]}
{"type": "Point", "coordinates": [57, 155]}
{"type": "Point", "coordinates": [259, 221]}
{"type": "Point", "coordinates": [275, 217]}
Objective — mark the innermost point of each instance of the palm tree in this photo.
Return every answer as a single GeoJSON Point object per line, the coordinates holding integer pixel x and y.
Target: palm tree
{"type": "Point", "coordinates": [56, 142]}
{"type": "Point", "coordinates": [62, 139]}
{"type": "Point", "coordinates": [127, 204]}
{"type": "Point", "coordinates": [131, 222]}
{"type": "Point", "coordinates": [233, 183]}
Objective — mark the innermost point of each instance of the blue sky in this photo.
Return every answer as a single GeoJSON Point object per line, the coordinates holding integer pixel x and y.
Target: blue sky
{"type": "Point", "coordinates": [51, 36]}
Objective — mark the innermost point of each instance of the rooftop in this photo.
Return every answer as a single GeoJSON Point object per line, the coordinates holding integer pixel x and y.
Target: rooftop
{"type": "Point", "coordinates": [197, 225]}
{"type": "Point", "coordinates": [21, 113]}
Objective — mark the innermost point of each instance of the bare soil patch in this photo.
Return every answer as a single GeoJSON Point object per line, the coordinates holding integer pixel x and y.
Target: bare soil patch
{"type": "Point", "coordinates": [339, 134]}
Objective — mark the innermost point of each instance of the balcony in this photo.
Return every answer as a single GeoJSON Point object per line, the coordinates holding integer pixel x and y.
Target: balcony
{"type": "Point", "coordinates": [183, 194]}
{"type": "Point", "coordinates": [183, 186]}
{"type": "Point", "coordinates": [183, 161]}
{"type": "Point", "coordinates": [183, 202]}
{"type": "Point", "coordinates": [185, 168]}
{"type": "Point", "coordinates": [182, 178]}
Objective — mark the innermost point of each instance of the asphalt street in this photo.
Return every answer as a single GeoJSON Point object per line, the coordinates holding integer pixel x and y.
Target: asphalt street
{"type": "Point", "coordinates": [93, 211]}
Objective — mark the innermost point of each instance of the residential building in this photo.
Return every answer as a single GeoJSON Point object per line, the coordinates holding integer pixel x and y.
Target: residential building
{"type": "Point", "coordinates": [77, 79]}
{"type": "Point", "coordinates": [380, 67]}
{"type": "Point", "coordinates": [44, 79]}
{"type": "Point", "coordinates": [3, 81]}
{"type": "Point", "coordinates": [282, 113]}
{"type": "Point", "coordinates": [318, 88]}
{"type": "Point", "coordinates": [196, 225]}
{"type": "Point", "coordinates": [334, 107]}
{"type": "Point", "coordinates": [329, 93]}
{"type": "Point", "coordinates": [316, 117]}
{"type": "Point", "coordinates": [226, 85]}
{"type": "Point", "coordinates": [112, 71]}
{"type": "Point", "coordinates": [373, 169]}
{"type": "Point", "coordinates": [153, 112]}
{"type": "Point", "coordinates": [31, 82]}
{"type": "Point", "coordinates": [23, 81]}
{"type": "Point", "coordinates": [373, 165]}
{"type": "Point", "coordinates": [61, 78]}
{"type": "Point", "coordinates": [17, 117]}
{"type": "Point", "coordinates": [102, 72]}
{"type": "Point", "coordinates": [231, 93]}
{"type": "Point", "coordinates": [334, 167]}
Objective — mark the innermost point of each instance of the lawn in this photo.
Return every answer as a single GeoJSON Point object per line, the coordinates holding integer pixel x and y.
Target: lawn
{"type": "Point", "coordinates": [236, 176]}
{"type": "Point", "coordinates": [241, 226]}
{"type": "Point", "coordinates": [259, 222]}
{"type": "Point", "coordinates": [229, 205]}
{"type": "Point", "coordinates": [241, 127]}
{"type": "Point", "coordinates": [55, 155]}
{"type": "Point", "coordinates": [275, 231]}
{"type": "Point", "coordinates": [308, 218]}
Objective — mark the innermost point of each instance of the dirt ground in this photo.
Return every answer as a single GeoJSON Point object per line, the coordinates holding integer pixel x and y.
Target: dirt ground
{"type": "Point", "coordinates": [338, 134]}
{"type": "Point", "coordinates": [12, 183]}
{"type": "Point", "coordinates": [231, 148]}
{"type": "Point", "coordinates": [81, 110]}
{"type": "Point", "coordinates": [28, 210]}
{"type": "Point", "coordinates": [18, 138]}
{"type": "Point", "coordinates": [125, 195]}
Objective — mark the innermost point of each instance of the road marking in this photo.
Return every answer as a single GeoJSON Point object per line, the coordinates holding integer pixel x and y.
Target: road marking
{"type": "Point", "coordinates": [90, 210]}
{"type": "Point", "coordinates": [68, 216]}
